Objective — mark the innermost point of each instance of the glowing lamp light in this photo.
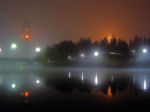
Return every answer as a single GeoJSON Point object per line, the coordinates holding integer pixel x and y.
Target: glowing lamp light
{"type": "Point", "coordinates": [37, 81]}
{"type": "Point", "coordinates": [96, 53]}
{"type": "Point", "coordinates": [82, 55]}
{"type": "Point", "coordinates": [144, 51]}
{"type": "Point", "coordinates": [13, 85]}
{"type": "Point", "coordinates": [13, 46]}
{"type": "Point", "coordinates": [27, 36]}
{"type": "Point", "coordinates": [38, 49]}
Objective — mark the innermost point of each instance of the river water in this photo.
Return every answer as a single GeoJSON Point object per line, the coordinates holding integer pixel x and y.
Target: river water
{"type": "Point", "coordinates": [86, 89]}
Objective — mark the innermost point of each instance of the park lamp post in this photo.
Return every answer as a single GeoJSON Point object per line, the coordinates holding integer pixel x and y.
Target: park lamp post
{"type": "Point", "coordinates": [13, 46]}
{"type": "Point", "coordinates": [37, 49]}
{"type": "Point", "coordinates": [144, 51]}
{"type": "Point", "coordinates": [96, 53]}
{"type": "Point", "coordinates": [82, 55]}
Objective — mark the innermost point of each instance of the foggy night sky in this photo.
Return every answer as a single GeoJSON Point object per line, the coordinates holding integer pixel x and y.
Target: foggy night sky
{"type": "Point", "coordinates": [56, 20]}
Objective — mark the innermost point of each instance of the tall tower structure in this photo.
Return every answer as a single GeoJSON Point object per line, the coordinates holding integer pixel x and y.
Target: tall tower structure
{"type": "Point", "coordinates": [26, 31]}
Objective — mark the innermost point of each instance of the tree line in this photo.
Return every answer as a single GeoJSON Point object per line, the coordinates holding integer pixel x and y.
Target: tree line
{"type": "Point", "coordinates": [62, 51]}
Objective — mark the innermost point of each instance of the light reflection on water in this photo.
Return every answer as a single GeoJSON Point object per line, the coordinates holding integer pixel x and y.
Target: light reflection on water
{"type": "Point", "coordinates": [95, 79]}
{"type": "Point", "coordinates": [40, 84]}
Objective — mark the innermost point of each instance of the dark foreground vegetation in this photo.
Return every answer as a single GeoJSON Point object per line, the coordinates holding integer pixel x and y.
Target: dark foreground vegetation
{"type": "Point", "coordinates": [106, 52]}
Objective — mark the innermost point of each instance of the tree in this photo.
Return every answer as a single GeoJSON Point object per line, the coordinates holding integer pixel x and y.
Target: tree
{"type": "Point", "coordinates": [123, 47]}
{"type": "Point", "coordinates": [84, 45]}
{"type": "Point", "coordinates": [104, 44]}
{"type": "Point", "coordinates": [113, 44]}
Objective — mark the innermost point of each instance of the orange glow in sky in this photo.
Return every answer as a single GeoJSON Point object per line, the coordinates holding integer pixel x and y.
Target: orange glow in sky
{"type": "Point", "coordinates": [109, 39]}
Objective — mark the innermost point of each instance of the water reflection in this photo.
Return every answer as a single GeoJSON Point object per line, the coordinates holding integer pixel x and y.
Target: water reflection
{"type": "Point", "coordinates": [96, 79]}
{"type": "Point", "coordinates": [69, 75]}
{"type": "Point", "coordinates": [109, 84]}
{"type": "Point", "coordinates": [109, 93]}
{"type": "Point", "coordinates": [82, 78]}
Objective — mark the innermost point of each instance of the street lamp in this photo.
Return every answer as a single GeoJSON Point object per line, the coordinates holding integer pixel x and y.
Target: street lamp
{"type": "Point", "coordinates": [144, 51]}
{"type": "Point", "coordinates": [38, 49]}
{"type": "Point", "coordinates": [13, 85]}
{"type": "Point", "coordinates": [96, 53]}
{"type": "Point", "coordinates": [37, 81]}
{"type": "Point", "coordinates": [82, 55]}
{"type": "Point", "coordinates": [13, 46]}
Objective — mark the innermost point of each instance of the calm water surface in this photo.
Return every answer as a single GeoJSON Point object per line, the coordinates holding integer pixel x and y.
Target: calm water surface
{"type": "Point", "coordinates": [74, 90]}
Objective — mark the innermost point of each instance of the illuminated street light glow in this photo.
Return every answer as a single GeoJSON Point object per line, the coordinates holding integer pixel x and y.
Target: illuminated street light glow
{"type": "Point", "coordinates": [38, 49]}
{"type": "Point", "coordinates": [109, 39]}
{"type": "Point", "coordinates": [13, 46]}
{"type": "Point", "coordinates": [82, 55]}
{"type": "Point", "coordinates": [13, 85]}
{"type": "Point", "coordinates": [37, 81]}
{"type": "Point", "coordinates": [96, 53]}
{"type": "Point", "coordinates": [144, 51]}
{"type": "Point", "coordinates": [27, 36]}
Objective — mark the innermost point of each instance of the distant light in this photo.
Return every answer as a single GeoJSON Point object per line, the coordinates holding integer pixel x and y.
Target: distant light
{"type": "Point", "coordinates": [37, 81]}
{"type": "Point", "coordinates": [145, 86]}
{"type": "Point", "coordinates": [13, 85]}
{"type": "Point", "coordinates": [96, 79]}
{"type": "Point", "coordinates": [38, 49]}
{"type": "Point", "coordinates": [82, 55]}
{"type": "Point", "coordinates": [0, 50]}
{"type": "Point", "coordinates": [69, 75]}
{"type": "Point", "coordinates": [13, 46]}
{"type": "Point", "coordinates": [82, 76]}
{"type": "Point", "coordinates": [144, 51]}
{"type": "Point", "coordinates": [96, 53]}
{"type": "Point", "coordinates": [27, 36]}
{"type": "Point", "coordinates": [109, 39]}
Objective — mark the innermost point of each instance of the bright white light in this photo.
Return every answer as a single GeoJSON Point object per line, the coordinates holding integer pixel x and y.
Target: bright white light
{"type": "Point", "coordinates": [13, 46]}
{"type": "Point", "coordinates": [145, 86]}
{"type": "Point", "coordinates": [38, 49]}
{"type": "Point", "coordinates": [96, 80]}
{"type": "Point", "coordinates": [13, 85]}
{"type": "Point", "coordinates": [82, 55]}
{"type": "Point", "coordinates": [82, 76]}
{"type": "Point", "coordinates": [0, 50]}
{"type": "Point", "coordinates": [96, 53]}
{"type": "Point", "coordinates": [69, 74]}
{"type": "Point", "coordinates": [37, 81]}
{"type": "Point", "coordinates": [144, 51]}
